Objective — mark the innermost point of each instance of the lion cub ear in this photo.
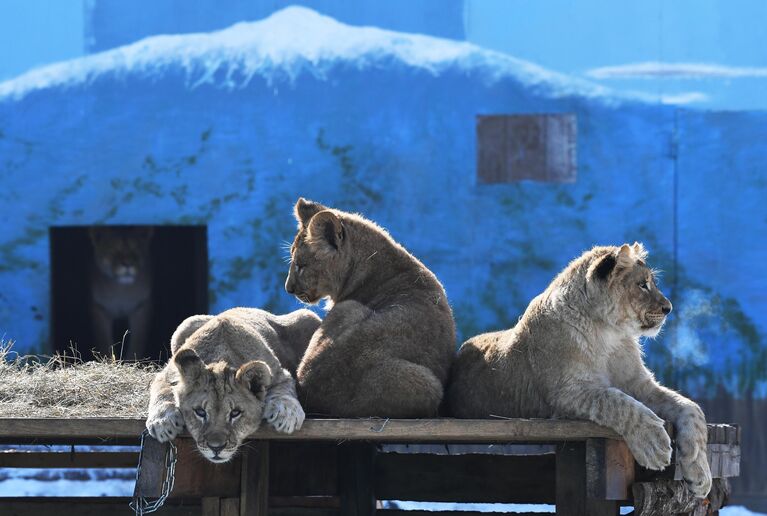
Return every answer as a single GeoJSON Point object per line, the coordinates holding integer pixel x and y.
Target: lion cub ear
{"type": "Point", "coordinates": [325, 230]}
{"type": "Point", "coordinates": [626, 257]}
{"type": "Point", "coordinates": [304, 210]}
{"type": "Point", "coordinates": [189, 364]}
{"type": "Point", "coordinates": [257, 375]}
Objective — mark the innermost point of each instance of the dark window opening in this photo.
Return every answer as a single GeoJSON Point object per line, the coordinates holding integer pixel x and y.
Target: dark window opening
{"type": "Point", "coordinates": [526, 147]}
{"type": "Point", "coordinates": [106, 280]}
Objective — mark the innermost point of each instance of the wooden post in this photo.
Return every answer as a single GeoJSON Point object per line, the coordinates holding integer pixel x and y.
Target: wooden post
{"type": "Point", "coordinates": [609, 469]}
{"type": "Point", "coordinates": [571, 485]}
{"type": "Point", "coordinates": [356, 462]}
{"type": "Point", "coordinates": [254, 482]}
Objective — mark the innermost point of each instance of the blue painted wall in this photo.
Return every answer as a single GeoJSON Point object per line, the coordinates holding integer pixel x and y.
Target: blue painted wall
{"type": "Point", "coordinates": [191, 129]}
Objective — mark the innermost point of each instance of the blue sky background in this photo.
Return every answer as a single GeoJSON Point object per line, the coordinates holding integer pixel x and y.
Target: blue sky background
{"type": "Point", "coordinates": [577, 37]}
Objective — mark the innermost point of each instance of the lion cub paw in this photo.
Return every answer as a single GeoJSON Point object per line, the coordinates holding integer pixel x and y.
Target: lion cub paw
{"type": "Point", "coordinates": [284, 413]}
{"type": "Point", "coordinates": [650, 444]}
{"type": "Point", "coordinates": [691, 456]}
{"type": "Point", "coordinates": [165, 424]}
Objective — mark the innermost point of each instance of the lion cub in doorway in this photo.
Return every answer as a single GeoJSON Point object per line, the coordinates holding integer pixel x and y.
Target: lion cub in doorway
{"type": "Point", "coordinates": [385, 347]}
{"type": "Point", "coordinates": [121, 288]}
{"type": "Point", "coordinates": [575, 353]}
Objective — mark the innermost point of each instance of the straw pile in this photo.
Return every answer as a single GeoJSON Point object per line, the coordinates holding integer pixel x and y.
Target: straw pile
{"type": "Point", "coordinates": [65, 386]}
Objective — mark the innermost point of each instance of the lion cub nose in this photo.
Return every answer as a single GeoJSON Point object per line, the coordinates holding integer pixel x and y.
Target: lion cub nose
{"type": "Point", "coordinates": [666, 309]}
{"type": "Point", "coordinates": [215, 447]}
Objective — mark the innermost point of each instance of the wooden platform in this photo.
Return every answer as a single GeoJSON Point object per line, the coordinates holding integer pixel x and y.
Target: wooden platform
{"type": "Point", "coordinates": [347, 467]}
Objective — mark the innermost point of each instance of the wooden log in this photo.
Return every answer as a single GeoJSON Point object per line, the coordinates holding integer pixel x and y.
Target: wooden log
{"type": "Point", "coordinates": [356, 463]}
{"type": "Point", "coordinates": [465, 478]}
{"type": "Point", "coordinates": [254, 493]}
{"type": "Point", "coordinates": [571, 485]}
{"type": "Point", "coordinates": [230, 507]}
{"type": "Point", "coordinates": [610, 469]}
{"type": "Point", "coordinates": [664, 497]}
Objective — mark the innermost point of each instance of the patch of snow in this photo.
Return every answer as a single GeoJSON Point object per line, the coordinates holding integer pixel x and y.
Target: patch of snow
{"type": "Point", "coordinates": [66, 482]}
{"type": "Point", "coordinates": [739, 510]}
{"type": "Point", "coordinates": [655, 70]}
{"type": "Point", "coordinates": [689, 97]}
{"type": "Point", "coordinates": [290, 42]}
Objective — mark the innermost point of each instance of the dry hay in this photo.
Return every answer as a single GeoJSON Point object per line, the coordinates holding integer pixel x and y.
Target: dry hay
{"type": "Point", "coordinates": [65, 386]}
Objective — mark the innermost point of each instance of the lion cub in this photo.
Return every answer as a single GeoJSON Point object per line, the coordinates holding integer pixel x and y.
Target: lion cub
{"type": "Point", "coordinates": [385, 347]}
{"type": "Point", "coordinates": [226, 374]}
{"type": "Point", "coordinates": [575, 353]}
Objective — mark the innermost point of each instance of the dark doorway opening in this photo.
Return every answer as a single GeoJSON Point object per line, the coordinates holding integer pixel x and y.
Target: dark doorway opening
{"type": "Point", "coordinates": [105, 278]}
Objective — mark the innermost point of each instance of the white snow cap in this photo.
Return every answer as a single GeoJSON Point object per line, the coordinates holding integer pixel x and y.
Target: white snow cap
{"type": "Point", "coordinates": [291, 41]}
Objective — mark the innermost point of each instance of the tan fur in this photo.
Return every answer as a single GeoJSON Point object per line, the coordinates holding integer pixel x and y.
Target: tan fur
{"type": "Point", "coordinates": [121, 287]}
{"type": "Point", "coordinates": [575, 353]}
{"type": "Point", "coordinates": [226, 374]}
{"type": "Point", "coordinates": [385, 347]}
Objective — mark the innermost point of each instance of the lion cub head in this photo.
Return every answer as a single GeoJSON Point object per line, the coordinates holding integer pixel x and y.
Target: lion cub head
{"type": "Point", "coordinates": [120, 253]}
{"type": "Point", "coordinates": [221, 405]}
{"type": "Point", "coordinates": [319, 256]}
{"type": "Point", "coordinates": [634, 301]}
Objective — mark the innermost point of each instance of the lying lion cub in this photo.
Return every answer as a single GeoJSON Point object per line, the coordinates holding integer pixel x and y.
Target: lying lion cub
{"type": "Point", "coordinates": [385, 347]}
{"type": "Point", "coordinates": [226, 374]}
{"type": "Point", "coordinates": [575, 353]}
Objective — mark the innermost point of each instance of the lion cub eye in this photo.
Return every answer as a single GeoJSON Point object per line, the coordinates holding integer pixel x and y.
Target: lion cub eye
{"type": "Point", "coordinates": [235, 414]}
{"type": "Point", "coordinates": [645, 285]}
{"type": "Point", "coordinates": [299, 269]}
{"type": "Point", "coordinates": [200, 412]}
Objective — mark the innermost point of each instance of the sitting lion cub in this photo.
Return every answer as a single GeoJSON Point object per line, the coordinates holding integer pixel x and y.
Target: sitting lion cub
{"type": "Point", "coordinates": [575, 353]}
{"type": "Point", "coordinates": [226, 374]}
{"type": "Point", "coordinates": [385, 347]}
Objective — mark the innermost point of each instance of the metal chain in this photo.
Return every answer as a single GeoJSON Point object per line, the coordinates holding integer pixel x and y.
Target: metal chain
{"type": "Point", "coordinates": [142, 505]}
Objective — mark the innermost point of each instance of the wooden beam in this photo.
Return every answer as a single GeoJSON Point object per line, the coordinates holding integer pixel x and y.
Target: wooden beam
{"type": "Point", "coordinates": [465, 478]}
{"type": "Point", "coordinates": [78, 459]}
{"type": "Point", "coordinates": [356, 466]}
{"type": "Point", "coordinates": [609, 469]}
{"type": "Point", "coordinates": [254, 483]}
{"type": "Point", "coordinates": [379, 430]}
{"type": "Point", "coordinates": [86, 506]}
{"type": "Point", "coordinates": [571, 485]}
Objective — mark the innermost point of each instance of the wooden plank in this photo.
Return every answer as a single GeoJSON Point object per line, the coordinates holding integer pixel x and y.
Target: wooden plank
{"type": "Point", "coordinates": [465, 478]}
{"type": "Point", "coordinates": [153, 471]}
{"type": "Point", "coordinates": [723, 460]}
{"type": "Point", "coordinates": [198, 477]}
{"type": "Point", "coordinates": [571, 485]}
{"type": "Point", "coordinates": [254, 490]}
{"type": "Point", "coordinates": [211, 506]}
{"type": "Point", "coordinates": [230, 507]}
{"type": "Point", "coordinates": [29, 459]}
{"type": "Point", "coordinates": [379, 430]}
{"type": "Point", "coordinates": [356, 465]}
{"type": "Point", "coordinates": [325, 502]}
{"type": "Point", "coordinates": [303, 469]}
{"type": "Point", "coordinates": [609, 469]}
{"type": "Point", "coordinates": [86, 506]}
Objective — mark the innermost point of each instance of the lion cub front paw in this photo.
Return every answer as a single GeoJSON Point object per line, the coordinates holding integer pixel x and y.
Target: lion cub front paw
{"type": "Point", "coordinates": [284, 413]}
{"type": "Point", "coordinates": [165, 424]}
{"type": "Point", "coordinates": [692, 459]}
{"type": "Point", "coordinates": [650, 444]}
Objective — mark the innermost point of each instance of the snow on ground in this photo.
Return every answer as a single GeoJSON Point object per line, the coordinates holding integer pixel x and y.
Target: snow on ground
{"type": "Point", "coordinates": [539, 508]}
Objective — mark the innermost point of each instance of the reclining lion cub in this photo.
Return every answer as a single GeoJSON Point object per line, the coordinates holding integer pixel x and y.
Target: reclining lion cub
{"type": "Point", "coordinates": [385, 347]}
{"type": "Point", "coordinates": [226, 374]}
{"type": "Point", "coordinates": [575, 353]}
